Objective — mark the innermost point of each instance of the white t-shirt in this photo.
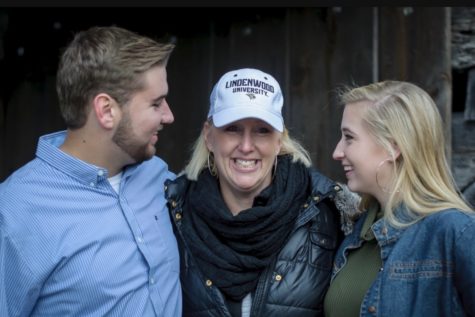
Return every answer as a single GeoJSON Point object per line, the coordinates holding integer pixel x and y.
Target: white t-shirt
{"type": "Point", "coordinates": [115, 181]}
{"type": "Point", "coordinates": [246, 305]}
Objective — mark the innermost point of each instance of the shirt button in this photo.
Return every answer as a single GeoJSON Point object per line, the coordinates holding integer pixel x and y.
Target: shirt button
{"type": "Point", "coordinates": [139, 239]}
{"type": "Point", "coordinates": [278, 277]}
{"type": "Point", "coordinates": [178, 216]}
{"type": "Point", "coordinates": [372, 309]}
{"type": "Point", "coordinates": [152, 280]}
{"type": "Point", "coordinates": [92, 184]}
{"type": "Point", "coordinates": [100, 172]}
{"type": "Point", "coordinates": [209, 283]}
{"type": "Point", "coordinates": [384, 231]}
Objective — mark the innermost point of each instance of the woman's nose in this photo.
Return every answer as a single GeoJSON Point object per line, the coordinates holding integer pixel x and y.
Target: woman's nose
{"type": "Point", "coordinates": [338, 152]}
{"type": "Point", "coordinates": [247, 142]}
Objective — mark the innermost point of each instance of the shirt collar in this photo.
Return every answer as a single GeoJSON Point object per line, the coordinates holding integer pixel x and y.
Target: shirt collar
{"type": "Point", "coordinates": [374, 214]}
{"type": "Point", "coordinates": [48, 151]}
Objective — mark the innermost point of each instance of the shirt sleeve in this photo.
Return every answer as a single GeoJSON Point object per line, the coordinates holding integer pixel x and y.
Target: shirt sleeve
{"type": "Point", "coordinates": [18, 292]}
{"type": "Point", "coordinates": [170, 175]}
{"type": "Point", "coordinates": [465, 265]}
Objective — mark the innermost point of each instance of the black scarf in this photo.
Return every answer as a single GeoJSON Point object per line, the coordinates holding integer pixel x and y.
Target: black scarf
{"type": "Point", "coordinates": [230, 250]}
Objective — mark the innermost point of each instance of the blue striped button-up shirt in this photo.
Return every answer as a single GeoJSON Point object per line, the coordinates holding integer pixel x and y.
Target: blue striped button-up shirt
{"type": "Point", "coordinates": [71, 246]}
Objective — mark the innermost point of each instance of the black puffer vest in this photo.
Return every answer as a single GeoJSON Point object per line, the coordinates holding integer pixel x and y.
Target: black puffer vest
{"type": "Point", "coordinates": [295, 283]}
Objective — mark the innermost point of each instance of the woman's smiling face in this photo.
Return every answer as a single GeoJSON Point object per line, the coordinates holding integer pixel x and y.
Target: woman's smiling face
{"type": "Point", "coordinates": [244, 154]}
{"type": "Point", "coordinates": [360, 155]}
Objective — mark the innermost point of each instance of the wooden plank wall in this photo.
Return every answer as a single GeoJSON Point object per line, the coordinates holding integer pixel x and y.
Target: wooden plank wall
{"type": "Point", "coordinates": [415, 46]}
{"type": "Point", "coordinates": [332, 53]}
{"type": "Point", "coordinates": [310, 51]}
{"type": "Point", "coordinates": [307, 50]}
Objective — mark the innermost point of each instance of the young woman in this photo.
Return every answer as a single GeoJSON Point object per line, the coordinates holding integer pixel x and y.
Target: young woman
{"type": "Point", "coordinates": [412, 253]}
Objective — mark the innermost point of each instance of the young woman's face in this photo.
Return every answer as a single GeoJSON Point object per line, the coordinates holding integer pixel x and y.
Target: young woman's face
{"type": "Point", "coordinates": [244, 154]}
{"type": "Point", "coordinates": [362, 158]}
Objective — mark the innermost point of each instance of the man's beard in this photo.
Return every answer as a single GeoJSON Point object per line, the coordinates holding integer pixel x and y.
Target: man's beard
{"type": "Point", "coordinates": [123, 137]}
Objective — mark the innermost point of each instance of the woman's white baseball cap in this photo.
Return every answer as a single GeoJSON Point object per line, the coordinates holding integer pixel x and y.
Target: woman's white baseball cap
{"type": "Point", "coordinates": [247, 93]}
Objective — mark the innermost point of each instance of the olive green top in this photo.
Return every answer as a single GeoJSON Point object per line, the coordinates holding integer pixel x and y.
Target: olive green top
{"type": "Point", "coordinates": [348, 288]}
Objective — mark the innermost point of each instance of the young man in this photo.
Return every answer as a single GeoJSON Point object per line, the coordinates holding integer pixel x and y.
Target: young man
{"type": "Point", "coordinates": [84, 229]}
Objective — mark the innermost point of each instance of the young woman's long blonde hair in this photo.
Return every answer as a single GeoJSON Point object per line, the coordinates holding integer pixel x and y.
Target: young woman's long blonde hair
{"type": "Point", "coordinates": [403, 114]}
{"type": "Point", "coordinates": [199, 157]}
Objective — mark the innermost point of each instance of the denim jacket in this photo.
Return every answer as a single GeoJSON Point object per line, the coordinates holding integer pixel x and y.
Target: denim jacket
{"type": "Point", "coordinates": [428, 268]}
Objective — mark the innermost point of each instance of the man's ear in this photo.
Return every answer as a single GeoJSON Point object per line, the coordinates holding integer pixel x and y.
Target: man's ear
{"type": "Point", "coordinates": [106, 110]}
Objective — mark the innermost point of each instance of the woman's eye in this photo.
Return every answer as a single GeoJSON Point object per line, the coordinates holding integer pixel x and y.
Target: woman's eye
{"type": "Point", "coordinates": [263, 130]}
{"type": "Point", "coordinates": [231, 128]}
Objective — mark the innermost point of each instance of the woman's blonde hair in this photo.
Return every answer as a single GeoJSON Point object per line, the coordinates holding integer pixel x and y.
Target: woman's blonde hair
{"type": "Point", "coordinates": [405, 115]}
{"type": "Point", "coordinates": [199, 157]}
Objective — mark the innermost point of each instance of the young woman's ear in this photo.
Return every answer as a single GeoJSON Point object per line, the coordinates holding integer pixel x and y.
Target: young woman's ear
{"type": "Point", "coordinates": [396, 150]}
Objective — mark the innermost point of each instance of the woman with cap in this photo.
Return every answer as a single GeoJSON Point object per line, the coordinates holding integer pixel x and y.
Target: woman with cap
{"type": "Point", "coordinates": [257, 227]}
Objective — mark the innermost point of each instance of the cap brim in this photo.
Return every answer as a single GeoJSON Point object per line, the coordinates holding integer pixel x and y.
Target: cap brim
{"type": "Point", "coordinates": [231, 114]}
